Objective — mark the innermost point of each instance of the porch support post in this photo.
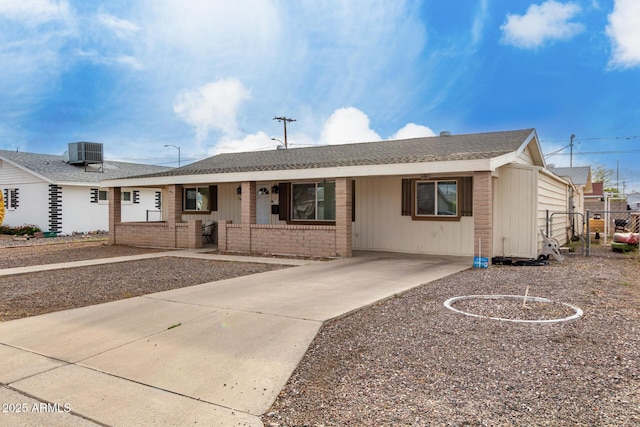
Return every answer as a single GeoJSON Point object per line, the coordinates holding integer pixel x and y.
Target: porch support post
{"type": "Point", "coordinates": [343, 218]}
{"type": "Point", "coordinates": [248, 212]}
{"type": "Point", "coordinates": [483, 213]}
{"type": "Point", "coordinates": [174, 205]}
{"type": "Point", "coordinates": [115, 212]}
{"type": "Point", "coordinates": [174, 210]}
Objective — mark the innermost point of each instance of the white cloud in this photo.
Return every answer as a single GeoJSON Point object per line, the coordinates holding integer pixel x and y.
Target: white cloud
{"type": "Point", "coordinates": [122, 28]}
{"type": "Point", "coordinates": [213, 106]}
{"type": "Point", "coordinates": [253, 142]}
{"type": "Point", "coordinates": [347, 125]}
{"type": "Point", "coordinates": [412, 130]}
{"type": "Point", "coordinates": [541, 24]}
{"type": "Point", "coordinates": [34, 12]}
{"type": "Point", "coordinates": [624, 32]}
{"type": "Point", "coordinates": [479, 21]}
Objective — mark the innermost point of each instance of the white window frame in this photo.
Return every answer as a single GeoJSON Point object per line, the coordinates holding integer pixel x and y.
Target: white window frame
{"type": "Point", "coordinates": [124, 200]}
{"type": "Point", "coordinates": [104, 200]}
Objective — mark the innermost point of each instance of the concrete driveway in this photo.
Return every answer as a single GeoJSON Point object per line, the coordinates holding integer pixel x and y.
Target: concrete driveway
{"type": "Point", "coordinates": [214, 354]}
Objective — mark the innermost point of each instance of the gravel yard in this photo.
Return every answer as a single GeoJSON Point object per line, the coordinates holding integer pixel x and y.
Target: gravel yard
{"type": "Point", "coordinates": [30, 294]}
{"type": "Point", "coordinates": [409, 361]}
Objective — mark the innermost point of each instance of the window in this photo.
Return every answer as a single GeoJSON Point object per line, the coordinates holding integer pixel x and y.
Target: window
{"type": "Point", "coordinates": [436, 198]}
{"type": "Point", "coordinates": [196, 199]}
{"type": "Point", "coordinates": [126, 196]}
{"type": "Point", "coordinates": [11, 199]}
{"type": "Point", "coordinates": [103, 196]}
{"type": "Point", "coordinates": [314, 201]}
{"type": "Point", "coordinates": [449, 198]}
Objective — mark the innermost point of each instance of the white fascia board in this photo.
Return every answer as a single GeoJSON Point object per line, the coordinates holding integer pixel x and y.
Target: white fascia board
{"type": "Point", "coordinates": [505, 159]}
{"type": "Point", "coordinates": [27, 170]}
{"type": "Point", "coordinates": [458, 166]}
{"type": "Point", "coordinates": [77, 184]}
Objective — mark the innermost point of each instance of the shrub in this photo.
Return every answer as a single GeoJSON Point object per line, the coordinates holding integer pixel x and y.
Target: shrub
{"type": "Point", "coordinates": [21, 230]}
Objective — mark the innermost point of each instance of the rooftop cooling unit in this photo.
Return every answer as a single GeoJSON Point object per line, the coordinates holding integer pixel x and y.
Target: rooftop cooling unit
{"type": "Point", "coordinates": [84, 153]}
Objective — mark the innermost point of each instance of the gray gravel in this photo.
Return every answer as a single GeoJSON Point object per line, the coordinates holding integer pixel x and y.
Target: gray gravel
{"type": "Point", "coordinates": [408, 361]}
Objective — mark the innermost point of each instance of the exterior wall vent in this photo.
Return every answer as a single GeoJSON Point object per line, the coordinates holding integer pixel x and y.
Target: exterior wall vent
{"type": "Point", "coordinates": [85, 153]}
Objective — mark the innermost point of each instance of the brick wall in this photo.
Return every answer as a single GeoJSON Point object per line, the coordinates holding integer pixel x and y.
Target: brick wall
{"type": "Point", "coordinates": [483, 213]}
{"type": "Point", "coordinates": [303, 240]}
{"type": "Point", "coordinates": [159, 235]}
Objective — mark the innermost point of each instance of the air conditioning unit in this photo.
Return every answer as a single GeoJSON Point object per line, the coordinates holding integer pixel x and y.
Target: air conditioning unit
{"type": "Point", "coordinates": [84, 153]}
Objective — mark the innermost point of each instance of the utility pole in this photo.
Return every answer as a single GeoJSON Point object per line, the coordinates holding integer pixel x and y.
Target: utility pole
{"type": "Point", "coordinates": [571, 151]}
{"type": "Point", "coordinates": [284, 120]}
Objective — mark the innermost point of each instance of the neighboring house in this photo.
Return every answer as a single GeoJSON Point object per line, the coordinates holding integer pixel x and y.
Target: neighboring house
{"type": "Point", "coordinates": [633, 200]}
{"type": "Point", "coordinates": [436, 195]}
{"type": "Point", "coordinates": [580, 177]}
{"type": "Point", "coordinates": [594, 201]}
{"type": "Point", "coordinates": [48, 191]}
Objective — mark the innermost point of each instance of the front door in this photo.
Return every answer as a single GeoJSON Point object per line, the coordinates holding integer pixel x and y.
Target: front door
{"type": "Point", "coordinates": [263, 204]}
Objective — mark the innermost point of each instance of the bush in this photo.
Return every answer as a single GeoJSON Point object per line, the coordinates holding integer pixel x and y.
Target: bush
{"type": "Point", "coordinates": [21, 230]}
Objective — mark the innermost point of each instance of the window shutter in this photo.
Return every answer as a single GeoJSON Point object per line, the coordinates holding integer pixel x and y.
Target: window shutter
{"type": "Point", "coordinates": [466, 196]}
{"type": "Point", "coordinates": [283, 200]}
{"type": "Point", "coordinates": [353, 200]}
{"type": "Point", "coordinates": [136, 197]}
{"type": "Point", "coordinates": [406, 196]}
{"type": "Point", "coordinates": [213, 198]}
{"type": "Point", "coordinates": [94, 195]}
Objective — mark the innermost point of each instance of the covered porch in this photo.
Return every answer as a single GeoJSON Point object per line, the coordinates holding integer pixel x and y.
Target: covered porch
{"type": "Point", "coordinates": [249, 233]}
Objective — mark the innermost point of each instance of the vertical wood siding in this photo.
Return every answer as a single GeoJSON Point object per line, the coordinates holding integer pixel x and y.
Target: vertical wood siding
{"type": "Point", "coordinates": [379, 224]}
{"type": "Point", "coordinates": [515, 212]}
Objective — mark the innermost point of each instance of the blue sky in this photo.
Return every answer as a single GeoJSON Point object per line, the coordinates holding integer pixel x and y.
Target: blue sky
{"type": "Point", "coordinates": [210, 76]}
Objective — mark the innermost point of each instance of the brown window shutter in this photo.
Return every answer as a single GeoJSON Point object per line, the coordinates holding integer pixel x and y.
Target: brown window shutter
{"type": "Point", "coordinates": [283, 200]}
{"type": "Point", "coordinates": [466, 196]}
{"type": "Point", "coordinates": [406, 196]}
{"type": "Point", "coordinates": [213, 198]}
{"type": "Point", "coordinates": [353, 200]}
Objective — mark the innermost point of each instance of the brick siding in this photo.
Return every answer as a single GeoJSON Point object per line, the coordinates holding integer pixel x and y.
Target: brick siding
{"type": "Point", "coordinates": [158, 235]}
{"type": "Point", "coordinates": [302, 240]}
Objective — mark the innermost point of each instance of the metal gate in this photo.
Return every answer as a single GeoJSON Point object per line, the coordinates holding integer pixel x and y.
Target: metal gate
{"type": "Point", "coordinates": [569, 229]}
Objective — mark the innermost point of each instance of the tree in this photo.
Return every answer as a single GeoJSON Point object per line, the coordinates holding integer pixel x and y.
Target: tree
{"type": "Point", "coordinates": [600, 173]}
{"type": "Point", "coordinates": [1, 208]}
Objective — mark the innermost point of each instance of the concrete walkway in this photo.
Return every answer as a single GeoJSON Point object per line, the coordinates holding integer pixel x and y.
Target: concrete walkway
{"type": "Point", "coordinates": [215, 354]}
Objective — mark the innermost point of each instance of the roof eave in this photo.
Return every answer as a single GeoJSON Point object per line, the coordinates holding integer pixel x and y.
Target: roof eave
{"type": "Point", "coordinates": [456, 166]}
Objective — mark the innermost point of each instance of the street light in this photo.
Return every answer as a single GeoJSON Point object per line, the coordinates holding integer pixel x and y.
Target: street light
{"type": "Point", "coordinates": [281, 146]}
{"type": "Point", "coordinates": [175, 146]}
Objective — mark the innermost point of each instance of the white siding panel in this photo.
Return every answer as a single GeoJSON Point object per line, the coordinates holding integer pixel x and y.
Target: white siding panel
{"type": "Point", "coordinates": [11, 176]}
{"type": "Point", "coordinates": [79, 214]}
{"type": "Point", "coordinates": [33, 205]}
{"type": "Point", "coordinates": [379, 224]}
{"type": "Point", "coordinates": [515, 212]}
{"type": "Point", "coordinates": [137, 212]}
{"type": "Point", "coordinates": [554, 197]}
{"type": "Point", "coordinates": [525, 157]}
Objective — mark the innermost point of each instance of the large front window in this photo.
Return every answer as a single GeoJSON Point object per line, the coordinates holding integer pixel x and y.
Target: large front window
{"type": "Point", "coordinates": [436, 198]}
{"type": "Point", "coordinates": [314, 201]}
{"type": "Point", "coordinates": [196, 199]}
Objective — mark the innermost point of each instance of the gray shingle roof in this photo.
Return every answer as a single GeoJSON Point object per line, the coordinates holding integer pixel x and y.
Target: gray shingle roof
{"type": "Point", "coordinates": [416, 150]}
{"type": "Point", "coordinates": [579, 174]}
{"type": "Point", "coordinates": [56, 169]}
